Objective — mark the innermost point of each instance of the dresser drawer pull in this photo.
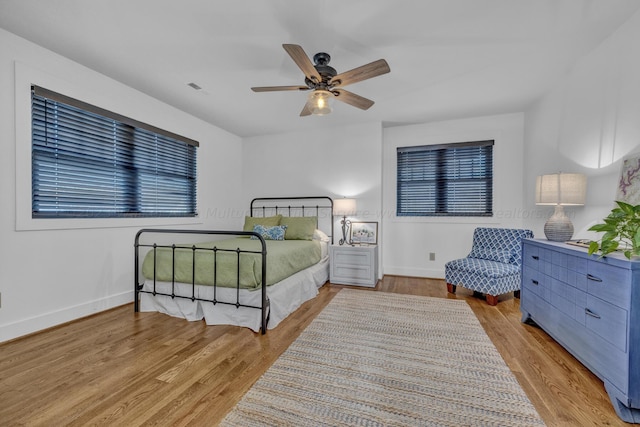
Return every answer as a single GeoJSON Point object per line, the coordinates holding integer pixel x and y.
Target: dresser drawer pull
{"type": "Point", "coordinates": [535, 282]}
{"type": "Point", "coordinates": [594, 278]}
{"type": "Point", "coordinates": [536, 257]}
{"type": "Point", "coordinates": [591, 313]}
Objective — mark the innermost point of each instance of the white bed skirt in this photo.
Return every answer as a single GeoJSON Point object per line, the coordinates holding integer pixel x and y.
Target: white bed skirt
{"type": "Point", "coordinates": [285, 297]}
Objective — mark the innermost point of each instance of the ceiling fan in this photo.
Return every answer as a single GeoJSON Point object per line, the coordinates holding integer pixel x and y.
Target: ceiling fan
{"type": "Point", "coordinates": [325, 82]}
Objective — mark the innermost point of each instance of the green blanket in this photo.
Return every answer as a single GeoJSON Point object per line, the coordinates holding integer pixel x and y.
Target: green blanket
{"type": "Point", "coordinates": [284, 258]}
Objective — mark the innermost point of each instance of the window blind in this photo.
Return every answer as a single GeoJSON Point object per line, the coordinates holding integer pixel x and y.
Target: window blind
{"type": "Point", "coordinates": [445, 180]}
{"type": "Point", "coordinates": [89, 162]}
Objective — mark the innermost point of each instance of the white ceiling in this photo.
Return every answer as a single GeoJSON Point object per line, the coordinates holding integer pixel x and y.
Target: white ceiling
{"type": "Point", "coordinates": [448, 58]}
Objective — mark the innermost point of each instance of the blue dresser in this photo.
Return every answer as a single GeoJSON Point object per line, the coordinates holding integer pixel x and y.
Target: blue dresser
{"type": "Point", "coordinates": [591, 306]}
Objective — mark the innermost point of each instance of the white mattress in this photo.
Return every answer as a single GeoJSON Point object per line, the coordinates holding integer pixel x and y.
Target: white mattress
{"type": "Point", "coordinates": [285, 297]}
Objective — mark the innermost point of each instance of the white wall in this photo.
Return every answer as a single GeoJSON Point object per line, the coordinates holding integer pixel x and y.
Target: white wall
{"type": "Point", "coordinates": [587, 123]}
{"type": "Point", "coordinates": [50, 276]}
{"type": "Point", "coordinates": [354, 161]}
{"type": "Point", "coordinates": [335, 161]}
{"type": "Point", "coordinates": [409, 241]}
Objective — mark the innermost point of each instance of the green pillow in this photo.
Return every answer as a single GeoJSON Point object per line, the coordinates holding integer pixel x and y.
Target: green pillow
{"type": "Point", "coordinates": [267, 221]}
{"type": "Point", "coordinates": [299, 228]}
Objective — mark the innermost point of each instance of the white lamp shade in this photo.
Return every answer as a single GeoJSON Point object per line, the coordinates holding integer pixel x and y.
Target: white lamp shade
{"type": "Point", "coordinates": [344, 207]}
{"type": "Point", "coordinates": [568, 189]}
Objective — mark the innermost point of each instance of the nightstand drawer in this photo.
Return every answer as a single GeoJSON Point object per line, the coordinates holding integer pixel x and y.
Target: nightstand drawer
{"type": "Point", "coordinates": [352, 258]}
{"type": "Point", "coordinates": [347, 272]}
{"type": "Point", "coordinates": [354, 265]}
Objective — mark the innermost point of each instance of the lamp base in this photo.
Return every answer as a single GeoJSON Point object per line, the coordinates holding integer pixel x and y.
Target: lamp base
{"type": "Point", "coordinates": [558, 228]}
{"type": "Point", "coordinates": [346, 226]}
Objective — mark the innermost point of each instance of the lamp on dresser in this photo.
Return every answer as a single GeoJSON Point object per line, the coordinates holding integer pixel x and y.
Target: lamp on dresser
{"type": "Point", "coordinates": [559, 190]}
{"type": "Point", "coordinates": [344, 207]}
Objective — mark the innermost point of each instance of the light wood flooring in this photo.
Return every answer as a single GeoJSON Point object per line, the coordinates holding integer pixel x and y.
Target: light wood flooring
{"type": "Point", "coordinates": [123, 368]}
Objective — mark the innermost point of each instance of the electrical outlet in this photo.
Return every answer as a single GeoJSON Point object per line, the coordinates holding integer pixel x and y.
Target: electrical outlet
{"type": "Point", "coordinates": [432, 256]}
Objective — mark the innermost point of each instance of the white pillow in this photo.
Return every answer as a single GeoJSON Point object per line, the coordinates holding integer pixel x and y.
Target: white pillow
{"type": "Point", "coordinates": [320, 235]}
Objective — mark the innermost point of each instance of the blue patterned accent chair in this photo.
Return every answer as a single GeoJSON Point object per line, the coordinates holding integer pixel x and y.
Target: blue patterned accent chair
{"type": "Point", "coordinates": [493, 265]}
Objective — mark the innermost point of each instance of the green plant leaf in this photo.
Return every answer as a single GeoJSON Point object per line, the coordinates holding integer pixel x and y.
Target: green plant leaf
{"type": "Point", "coordinates": [626, 207]}
{"type": "Point", "coordinates": [593, 247]}
{"type": "Point", "coordinates": [616, 213]}
{"type": "Point", "coordinates": [603, 227]}
{"type": "Point", "coordinates": [636, 240]}
{"type": "Point", "coordinates": [608, 246]}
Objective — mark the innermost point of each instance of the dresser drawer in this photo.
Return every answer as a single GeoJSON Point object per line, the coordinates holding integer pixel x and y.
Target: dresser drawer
{"type": "Point", "coordinates": [532, 304]}
{"type": "Point", "coordinates": [602, 358]}
{"type": "Point", "coordinates": [530, 257]}
{"type": "Point", "coordinates": [609, 283]}
{"type": "Point", "coordinates": [576, 263]}
{"type": "Point", "coordinates": [607, 320]}
{"type": "Point", "coordinates": [568, 300]}
{"type": "Point", "coordinates": [546, 265]}
{"type": "Point", "coordinates": [576, 272]}
{"type": "Point", "coordinates": [531, 280]}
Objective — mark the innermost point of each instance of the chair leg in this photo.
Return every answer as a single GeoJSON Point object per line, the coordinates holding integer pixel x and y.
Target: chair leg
{"type": "Point", "coordinates": [492, 299]}
{"type": "Point", "coordinates": [516, 294]}
{"type": "Point", "coordinates": [451, 288]}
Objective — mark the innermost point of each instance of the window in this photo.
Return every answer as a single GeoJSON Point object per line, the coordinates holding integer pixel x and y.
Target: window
{"type": "Point", "coordinates": [88, 162]}
{"type": "Point", "coordinates": [445, 180]}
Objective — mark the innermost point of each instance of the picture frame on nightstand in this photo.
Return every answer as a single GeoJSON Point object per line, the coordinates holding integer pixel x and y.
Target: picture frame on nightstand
{"type": "Point", "coordinates": [364, 233]}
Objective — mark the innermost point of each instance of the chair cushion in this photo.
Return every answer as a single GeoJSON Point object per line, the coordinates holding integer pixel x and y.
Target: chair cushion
{"type": "Point", "coordinates": [498, 255]}
{"type": "Point", "coordinates": [482, 267]}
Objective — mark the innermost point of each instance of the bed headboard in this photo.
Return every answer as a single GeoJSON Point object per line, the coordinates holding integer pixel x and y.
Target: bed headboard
{"type": "Point", "coordinates": [318, 206]}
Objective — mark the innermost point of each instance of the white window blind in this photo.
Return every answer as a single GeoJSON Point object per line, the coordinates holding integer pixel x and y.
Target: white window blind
{"type": "Point", "coordinates": [445, 180]}
{"type": "Point", "coordinates": [89, 162]}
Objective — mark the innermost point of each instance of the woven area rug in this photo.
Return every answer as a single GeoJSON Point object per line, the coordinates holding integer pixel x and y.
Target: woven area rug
{"type": "Point", "coordinates": [381, 359]}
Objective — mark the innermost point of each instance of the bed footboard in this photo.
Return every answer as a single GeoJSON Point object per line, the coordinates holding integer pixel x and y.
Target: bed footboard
{"type": "Point", "coordinates": [139, 286]}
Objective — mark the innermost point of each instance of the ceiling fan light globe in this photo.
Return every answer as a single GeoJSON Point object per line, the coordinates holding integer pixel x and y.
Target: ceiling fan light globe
{"type": "Point", "coordinates": [320, 102]}
{"type": "Point", "coordinates": [321, 111]}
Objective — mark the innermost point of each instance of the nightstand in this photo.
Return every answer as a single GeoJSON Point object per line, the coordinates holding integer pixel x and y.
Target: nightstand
{"type": "Point", "coordinates": [354, 265]}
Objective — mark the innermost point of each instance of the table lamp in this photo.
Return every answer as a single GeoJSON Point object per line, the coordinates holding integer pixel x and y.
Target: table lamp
{"type": "Point", "coordinates": [559, 190]}
{"type": "Point", "coordinates": [344, 207]}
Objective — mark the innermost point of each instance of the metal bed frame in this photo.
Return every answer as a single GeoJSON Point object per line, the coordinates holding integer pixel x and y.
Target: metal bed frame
{"type": "Point", "coordinates": [263, 205]}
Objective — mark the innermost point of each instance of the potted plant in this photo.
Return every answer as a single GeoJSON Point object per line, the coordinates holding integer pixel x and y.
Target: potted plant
{"type": "Point", "coordinates": [621, 230]}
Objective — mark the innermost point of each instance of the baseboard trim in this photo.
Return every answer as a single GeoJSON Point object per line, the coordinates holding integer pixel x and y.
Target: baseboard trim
{"type": "Point", "coordinates": [34, 324]}
{"type": "Point", "coordinates": [431, 273]}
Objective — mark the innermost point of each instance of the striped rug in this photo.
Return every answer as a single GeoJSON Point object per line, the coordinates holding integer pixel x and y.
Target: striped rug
{"type": "Point", "coordinates": [381, 359]}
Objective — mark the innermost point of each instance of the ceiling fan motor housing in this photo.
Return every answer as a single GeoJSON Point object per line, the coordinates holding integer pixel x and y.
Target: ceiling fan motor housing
{"type": "Point", "coordinates": [321, 61]}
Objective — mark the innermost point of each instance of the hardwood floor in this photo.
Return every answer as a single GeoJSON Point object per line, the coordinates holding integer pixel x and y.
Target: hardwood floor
{"type": "Point", "coordinates": [124, 368]}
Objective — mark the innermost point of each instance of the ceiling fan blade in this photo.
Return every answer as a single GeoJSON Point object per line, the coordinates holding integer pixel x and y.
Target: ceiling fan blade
{"type": "Point", "coordinates": [306, 111]}
{"type": "Point", "coordinates": [358, 74]}
{"type": "Point", "coordinates": [352, 99]}
{"type": "Point", "coordinates": [302, 60]}
{"type": "Point", "coordinates": [276, 88]}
